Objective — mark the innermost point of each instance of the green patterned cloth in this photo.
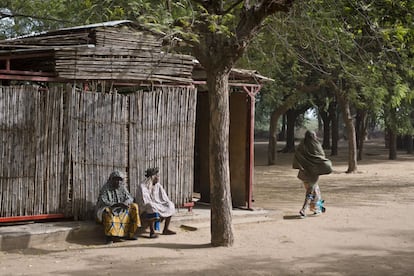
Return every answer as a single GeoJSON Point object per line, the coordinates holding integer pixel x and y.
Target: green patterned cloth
{"type": "Point", "coordinates": [110, 195]}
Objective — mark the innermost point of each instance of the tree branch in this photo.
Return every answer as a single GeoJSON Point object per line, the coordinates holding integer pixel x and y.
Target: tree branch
{"type": "Point", "coordinates": [308, 88]}
{"type": "Point", "coordinates": [252, 17]}
{"type": "Point", "coordinates": [204, 3]}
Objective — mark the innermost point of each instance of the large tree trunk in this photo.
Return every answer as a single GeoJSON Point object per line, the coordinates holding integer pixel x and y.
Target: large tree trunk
{"type": "Point", "coordinates": [220, 192]}
{"type": "Point", "coordinates": [347, 117]}
{"type": "Point", "coordinates": [217, 53]}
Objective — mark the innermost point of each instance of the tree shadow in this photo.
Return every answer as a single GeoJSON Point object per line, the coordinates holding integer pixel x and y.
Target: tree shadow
{"type": "Point", "coordinates": [292, 217]}
{"type": "Point", "coordinates": [175, 246]}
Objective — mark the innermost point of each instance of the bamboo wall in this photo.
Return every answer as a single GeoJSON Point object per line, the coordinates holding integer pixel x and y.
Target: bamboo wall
{"type": "Point", "coordinates": [59, 146]}
{"type": "Point", "coordinates": [104, 63]}
{"type": "Point", "coordinates": [162, 134]}
{"type": "Point", "coordinates": [31, 164]}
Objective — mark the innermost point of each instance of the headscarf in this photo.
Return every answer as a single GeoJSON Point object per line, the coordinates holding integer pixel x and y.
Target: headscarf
{"type": "Point", "coordinates": [110, 195]}
{"type": "Point", "coordinates": [310, 157]}
{"type": "Point", "coordinates": [151, 171]}
{"type": "Point", "coordinates": [116, 174]}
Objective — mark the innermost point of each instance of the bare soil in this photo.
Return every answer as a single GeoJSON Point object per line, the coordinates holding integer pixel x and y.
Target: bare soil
{"type": "Point", "coordinates": [368, 229]}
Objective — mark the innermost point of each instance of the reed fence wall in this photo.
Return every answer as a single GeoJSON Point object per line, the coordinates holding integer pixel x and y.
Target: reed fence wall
{"type": "Point", "coordinates": [60, 145]}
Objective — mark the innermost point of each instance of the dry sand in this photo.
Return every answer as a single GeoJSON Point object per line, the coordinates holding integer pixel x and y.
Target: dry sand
{"type": "Point", "coordinates": [368, 229]}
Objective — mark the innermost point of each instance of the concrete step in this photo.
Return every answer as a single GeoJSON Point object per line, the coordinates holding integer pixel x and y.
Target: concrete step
{"type": "Point", "coordinates": [193, 226]}
{"type": "Point", "coordinates": [32, 235]}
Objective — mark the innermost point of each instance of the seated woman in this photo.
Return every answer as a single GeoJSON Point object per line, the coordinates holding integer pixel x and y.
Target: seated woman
{"type": "Point", "coordinates": [154, 203]}
{"type": "Point", "coordinates": [116, 210]}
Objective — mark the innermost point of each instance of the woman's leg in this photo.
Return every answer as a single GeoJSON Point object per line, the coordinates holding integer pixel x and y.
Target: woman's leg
{"type": "Point", "coordinates": [167, 231]}
{"type": "Point", "coordinates": [316, 197]}
{"type": "Point", "coordinates": [308, 198]}
{"type": "Point", "coordinates": [153, 222]}
{"type": "Point", "coordinates": [151, 226]}
{"type": "Point", "coordinates": [108, 223]}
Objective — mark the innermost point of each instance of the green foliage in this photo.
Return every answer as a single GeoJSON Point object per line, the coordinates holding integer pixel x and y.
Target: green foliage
{"type": "Point", "coordinates": [29, 16]}
{"type": "Point", "coordinates": [368, 46]}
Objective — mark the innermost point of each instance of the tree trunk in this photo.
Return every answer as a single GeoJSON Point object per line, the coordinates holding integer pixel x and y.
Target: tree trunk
{"type": "Point", "coordinates": [326, 143]}
{"type": "Point", "coordinates": [347, 116]}
{"type": "Point", "coordinates": [218, 52]}
{"type": "Point", "coordinates": [282, 133]}
{"type": "Point", "coordinates": [290, 137]}
{"type": "Point", "coordinates": [272, 147]}
{"type": "Point", "coordinates": [273, 136]}
{"type": "Point", "coordinates": [361, 131]}
{"type": "Point", "coordinates": [220, 192]}
{"type": "Point", "coordinates": [392, 151]}
{"type": "Point", "coordinates": [409, 143]}
{"type": "Point", "coordinates": [335, 128]}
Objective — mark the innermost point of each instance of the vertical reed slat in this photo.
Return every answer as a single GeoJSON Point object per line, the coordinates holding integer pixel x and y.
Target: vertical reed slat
{"type": "Point", "coordinates": [76, 154]}
{"type": "Point", "coordinates": [31, 99]}
{"type": "Point", "coordinates": [3, 196]}
{"type": "Point", "coordinates": [67, 141]}
{"type": "Point", "coordinates": [12, 142]}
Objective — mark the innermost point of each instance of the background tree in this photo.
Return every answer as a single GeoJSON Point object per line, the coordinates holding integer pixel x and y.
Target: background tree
{"type": "Point", "coordinates": [346, 44]}
{"type": "Point", "coordinates": [222, 30]}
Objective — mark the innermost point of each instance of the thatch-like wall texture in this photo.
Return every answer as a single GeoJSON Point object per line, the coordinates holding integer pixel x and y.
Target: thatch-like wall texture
{"type": "Point", "coordinates": [60, 145]}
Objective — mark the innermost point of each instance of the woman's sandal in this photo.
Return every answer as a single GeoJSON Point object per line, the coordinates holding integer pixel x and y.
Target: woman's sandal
{"type": "Point", "coordinates": [153, 235]}
{"type": "Point", "coordinates": [168, 232]}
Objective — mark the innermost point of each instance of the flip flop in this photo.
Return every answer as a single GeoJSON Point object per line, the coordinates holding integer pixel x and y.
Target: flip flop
{"type": "Point", "coordinates": [153, 236]}
{"type": "Point", "coordinates": [169, 232]}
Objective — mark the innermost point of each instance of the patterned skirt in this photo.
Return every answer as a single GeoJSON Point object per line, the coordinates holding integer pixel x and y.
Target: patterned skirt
{"type": "Point", "coordinates": [313, 196]}
{"type": "Point", "coordinates": [121, 223]}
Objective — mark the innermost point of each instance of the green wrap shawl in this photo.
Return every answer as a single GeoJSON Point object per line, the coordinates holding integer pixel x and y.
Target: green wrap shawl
{"type": "Point", "coordinates": [310, 157]}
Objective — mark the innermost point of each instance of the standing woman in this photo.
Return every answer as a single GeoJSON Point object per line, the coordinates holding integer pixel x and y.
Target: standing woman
{"type": "Point", "coordinates": [310, 159]}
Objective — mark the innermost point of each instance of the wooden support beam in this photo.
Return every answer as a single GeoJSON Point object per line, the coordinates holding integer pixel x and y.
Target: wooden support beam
{"type": "Point", "coordinates": [28, 218]}
{"type": "Point", "coordinates": [32, 78]}
{"type": "Point", "coordinates": [27, 73]}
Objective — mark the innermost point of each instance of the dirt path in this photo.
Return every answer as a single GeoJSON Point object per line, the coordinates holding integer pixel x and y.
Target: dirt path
{"type": "Point", "coordinates": [368, 229]}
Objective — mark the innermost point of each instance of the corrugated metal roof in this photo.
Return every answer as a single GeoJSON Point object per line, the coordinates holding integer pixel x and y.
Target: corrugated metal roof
{"type": "Point", "coordinates": [97, 25]}
{"type": "Point", "coordinates": [83, 27]}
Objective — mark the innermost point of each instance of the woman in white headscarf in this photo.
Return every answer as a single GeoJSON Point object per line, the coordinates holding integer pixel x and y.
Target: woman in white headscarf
{"type": "Point", "coordinates": [154, 203]}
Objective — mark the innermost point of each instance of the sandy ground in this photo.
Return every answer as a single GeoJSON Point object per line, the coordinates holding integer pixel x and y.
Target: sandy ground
{"type": "Point", "coordinates": [368, 229]}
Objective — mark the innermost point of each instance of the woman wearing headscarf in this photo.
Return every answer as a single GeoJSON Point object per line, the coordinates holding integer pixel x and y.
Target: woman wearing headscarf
{"type": "Point", "coordinates": [116, 210]}
{"type": "Point", "coordinates": [310, 159]}
{"type": "Point", "coordinates": [154, 203]}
